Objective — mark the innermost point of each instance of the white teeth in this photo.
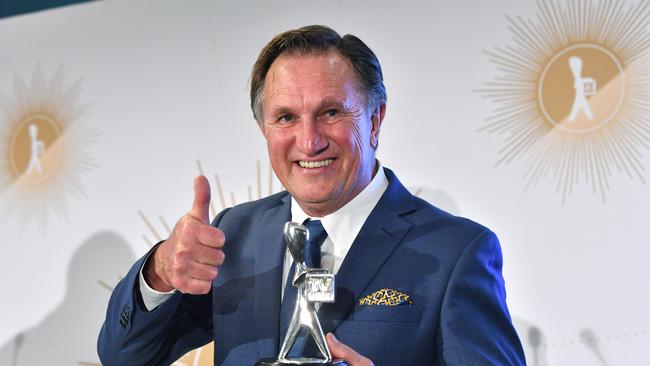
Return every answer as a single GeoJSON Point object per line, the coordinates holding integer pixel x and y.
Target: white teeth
{"type": "Point", "coordinates": [315, 164]}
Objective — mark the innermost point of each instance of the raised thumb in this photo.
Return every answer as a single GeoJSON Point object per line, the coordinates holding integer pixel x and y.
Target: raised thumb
{"type": "Point", "coordinates": [201, 205]}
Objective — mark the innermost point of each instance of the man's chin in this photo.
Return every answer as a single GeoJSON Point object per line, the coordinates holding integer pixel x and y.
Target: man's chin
{"type": "Point", "coordinates": [312, 200]}
{"type": "Point", "coordinates": [316, 204]}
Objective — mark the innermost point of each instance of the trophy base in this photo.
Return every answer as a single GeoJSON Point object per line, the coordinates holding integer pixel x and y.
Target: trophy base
{"type": "Point", "coordinates": [300, 361]}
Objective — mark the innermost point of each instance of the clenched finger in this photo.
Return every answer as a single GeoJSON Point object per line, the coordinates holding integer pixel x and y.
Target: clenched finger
{"type": "Point", "coordinates": [193, 286]}
{"type": "Point", "coordinates": [345, 352]}
{"type": "Point", "coordinates": [202, 272]}
{"type": "Point", "coordinates": [210, 236]}
{"type": "Point", "coordinates": [208, 255]}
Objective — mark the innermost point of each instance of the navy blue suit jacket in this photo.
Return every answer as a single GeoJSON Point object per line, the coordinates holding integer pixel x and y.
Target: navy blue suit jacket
{"type": "Point", "coordinates": [449, 266]}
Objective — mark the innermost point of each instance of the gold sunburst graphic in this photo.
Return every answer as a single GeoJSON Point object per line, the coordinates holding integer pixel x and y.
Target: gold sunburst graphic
{"type": "Point", "coordinates": [573, 93]}
{"type": "Point", "coordinates": [43, 139]}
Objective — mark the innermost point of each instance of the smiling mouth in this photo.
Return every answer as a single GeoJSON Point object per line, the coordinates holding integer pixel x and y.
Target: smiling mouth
{"type": "Point", "coordinates": [315, 164]}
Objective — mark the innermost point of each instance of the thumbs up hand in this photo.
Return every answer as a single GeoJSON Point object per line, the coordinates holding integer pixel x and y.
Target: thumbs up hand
{"type": "Point", "coordinates": [201, 204]}
{"type": "Point", "coordinates": [188, 261]}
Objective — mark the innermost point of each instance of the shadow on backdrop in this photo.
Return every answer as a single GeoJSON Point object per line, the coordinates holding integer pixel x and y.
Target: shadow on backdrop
{"type": "Point", "coordinates": [68, 335]}
{"type": "Point", "coordinates": [590, 340]}
{"type": "Point", "coordinates": [533, 340]}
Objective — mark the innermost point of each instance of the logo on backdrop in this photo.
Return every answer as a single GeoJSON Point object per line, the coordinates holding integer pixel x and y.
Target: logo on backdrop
{"type": "Point", "coordinates": [571, 94]}
{"type": "Point", "coordinates": [43, 142]}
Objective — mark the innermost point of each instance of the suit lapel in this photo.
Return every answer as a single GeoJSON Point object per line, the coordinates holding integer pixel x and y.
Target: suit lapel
{"type": "Point", "coordinates": [378, 237]}
{"type": "Point", "coordinates": [269, 258]}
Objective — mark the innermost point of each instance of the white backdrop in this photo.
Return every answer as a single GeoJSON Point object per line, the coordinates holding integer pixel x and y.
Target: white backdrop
{"type": "Point", "coordinates": [166, 84]}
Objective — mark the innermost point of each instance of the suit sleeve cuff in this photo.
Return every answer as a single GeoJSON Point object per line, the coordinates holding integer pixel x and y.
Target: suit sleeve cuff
{"type": "Point", "coordinates": [150, 297]}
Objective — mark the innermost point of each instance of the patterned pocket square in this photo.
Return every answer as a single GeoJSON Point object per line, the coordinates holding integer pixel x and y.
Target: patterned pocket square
{"type": "Point", "coordinates": [386, 297]}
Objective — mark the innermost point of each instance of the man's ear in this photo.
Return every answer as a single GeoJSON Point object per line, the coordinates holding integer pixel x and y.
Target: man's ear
{"type": "Point", "coordinates": [377, 118]}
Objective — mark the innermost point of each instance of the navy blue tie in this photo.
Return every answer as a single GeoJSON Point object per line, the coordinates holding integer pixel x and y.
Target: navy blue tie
{"type": "Point", "coordinates": [317, 236]}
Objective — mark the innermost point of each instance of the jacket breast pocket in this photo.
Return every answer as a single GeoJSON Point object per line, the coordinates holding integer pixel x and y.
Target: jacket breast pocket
{"type": "Point", "coordinates": [381, 333]}
{"type": "Point", "coordinates": [381, 313]}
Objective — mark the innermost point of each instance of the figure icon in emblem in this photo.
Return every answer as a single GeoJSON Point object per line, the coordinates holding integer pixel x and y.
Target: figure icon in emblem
{"type": "Point", "coordinates": [584, 87]}
{"type": "Point", "coordinates": [37, 150]}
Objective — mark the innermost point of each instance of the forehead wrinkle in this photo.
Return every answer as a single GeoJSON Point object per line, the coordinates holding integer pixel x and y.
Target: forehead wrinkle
{"type": "Point", "coordinates": [293, 90]}
{"type": "Point", "coordinates": [286, 100]}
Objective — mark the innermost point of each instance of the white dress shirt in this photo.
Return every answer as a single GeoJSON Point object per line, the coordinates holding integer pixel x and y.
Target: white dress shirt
{"type": "Point", "coordinates": [342, 227]}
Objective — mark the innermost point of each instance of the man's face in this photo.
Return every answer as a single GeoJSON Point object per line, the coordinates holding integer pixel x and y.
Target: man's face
{"type": "Point", "coordinates": [319, 130]}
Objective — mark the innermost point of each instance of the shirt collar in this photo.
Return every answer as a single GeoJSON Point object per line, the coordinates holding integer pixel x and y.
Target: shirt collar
{"type": "Point", "coordinates": [343, 225]}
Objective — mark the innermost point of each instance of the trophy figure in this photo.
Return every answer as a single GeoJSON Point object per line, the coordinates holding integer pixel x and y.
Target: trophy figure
{"type": "Point", "coordinates": [314, 285]}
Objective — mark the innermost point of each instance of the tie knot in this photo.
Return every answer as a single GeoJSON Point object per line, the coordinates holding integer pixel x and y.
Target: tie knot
{"type": "Point", "coordinates": [317, 233]}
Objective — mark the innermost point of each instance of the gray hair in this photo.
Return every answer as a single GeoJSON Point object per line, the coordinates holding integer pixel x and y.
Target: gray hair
{"type": "Point", "coordinates": [319, 39]}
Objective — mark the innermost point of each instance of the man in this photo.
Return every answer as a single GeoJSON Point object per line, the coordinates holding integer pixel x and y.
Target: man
{"type": "Point", "coordinates": [415, 285]}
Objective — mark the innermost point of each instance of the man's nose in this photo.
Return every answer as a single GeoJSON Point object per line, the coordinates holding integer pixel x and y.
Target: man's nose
{"type": "Point", "coordinates": [311, 140]}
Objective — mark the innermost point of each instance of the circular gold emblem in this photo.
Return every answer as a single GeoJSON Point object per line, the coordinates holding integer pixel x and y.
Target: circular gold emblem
{"type": "Point", "coordinates": [34, 153]}
{"type": "Point", "coordinates": [43, 147]}
{"type": "Point", "coordinates": [581, 88]}
{"type": "Point", "coordinates": [571, 94]}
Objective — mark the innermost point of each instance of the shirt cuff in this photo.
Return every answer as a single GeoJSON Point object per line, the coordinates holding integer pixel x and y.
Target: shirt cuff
{"type": "Point", "coordinates": [150, 297]}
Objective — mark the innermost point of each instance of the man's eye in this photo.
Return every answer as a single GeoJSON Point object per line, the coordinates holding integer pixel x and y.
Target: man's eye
{"type": "Point", "coordinates": [286, 118]}
{"type": "Point", "coordinates": [331, 113]}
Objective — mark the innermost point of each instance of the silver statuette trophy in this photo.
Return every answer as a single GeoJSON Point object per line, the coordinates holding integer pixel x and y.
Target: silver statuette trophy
{"type": "Point", "coordinates": [314, 285]}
